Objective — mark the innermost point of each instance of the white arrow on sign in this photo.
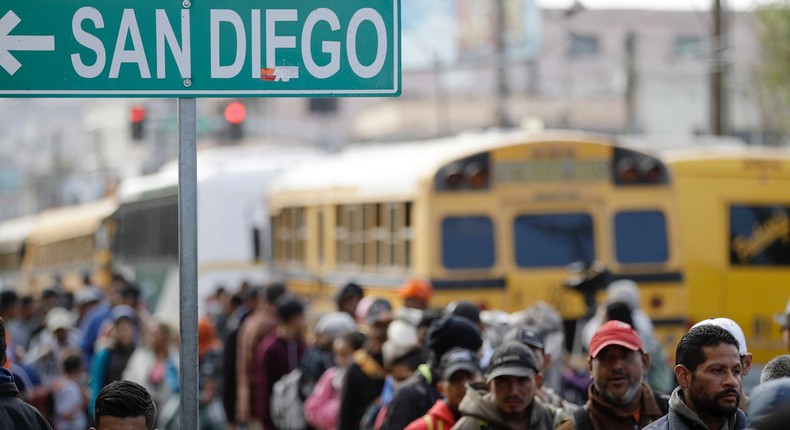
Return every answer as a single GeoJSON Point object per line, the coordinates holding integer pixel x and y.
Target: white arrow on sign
{"type": "Point", "coordinates": [10, 43]}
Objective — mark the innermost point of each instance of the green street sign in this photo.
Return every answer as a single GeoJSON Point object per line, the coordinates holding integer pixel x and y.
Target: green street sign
{"type": "Point", "coordinates": [199, 48]}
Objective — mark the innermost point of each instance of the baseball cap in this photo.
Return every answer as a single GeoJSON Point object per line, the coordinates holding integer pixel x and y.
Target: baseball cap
{"type": "Point", "coordinates": [525, 334]}
{"type": "Point", "coordinates": [334, 325]}
{"type": "Point", "coordinates": [732, 327]}
{"type": "Point", "coordinates": [458, 359]}
{"type": "Point", "coordinates": [511, 358]}
{"type": "Point", "coordinates": [615, 333]}
{"type": "Point", "coordinates": [58, 318]}
{"type": "Point", "coordinates": [379, 310]}
{"type": "Point", "coordinates": [415, 289]}
{"type": "Point", "coordinates": [783, 319]}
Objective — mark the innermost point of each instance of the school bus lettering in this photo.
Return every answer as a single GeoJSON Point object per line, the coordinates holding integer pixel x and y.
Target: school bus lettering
{"type": "Point", "coordinates": [776, 228]}
{"type": "Point", "coordinates": [520, 172]}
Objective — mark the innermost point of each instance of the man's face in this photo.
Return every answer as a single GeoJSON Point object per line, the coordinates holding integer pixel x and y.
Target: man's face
{"type": "Point", "coordinates": [714, 387]}
{"type": "Point", "coordinates": [617, 373]}
{"type": "Point", "coordinates": [454, 389]}
{"type": "Point", "coordinates": [114, 423]}
{"type": "Point", "coordinates": [513, 394]}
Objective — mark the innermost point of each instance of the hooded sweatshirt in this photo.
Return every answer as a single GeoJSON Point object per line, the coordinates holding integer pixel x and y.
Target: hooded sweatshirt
{"type": "Point", "coordinates": [680, 417]}
{"type": "Point", "coordinates": [480, 412]}
{"type": "Point", "coordinates": [14, 413]}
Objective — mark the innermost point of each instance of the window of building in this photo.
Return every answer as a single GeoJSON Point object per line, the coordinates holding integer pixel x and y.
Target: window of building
{"type": "Point", "coordinates": [641, 237]}
{"type": "Point", "coordinates": [688, 46]}
{"type": "Point", "coordinates": [553, 240]}
{"type": "Point", "coordinates": [583, 45]}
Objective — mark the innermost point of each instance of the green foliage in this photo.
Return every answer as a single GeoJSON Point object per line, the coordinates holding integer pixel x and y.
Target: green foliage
{"type": "Point", "coordinates": [773, 29]}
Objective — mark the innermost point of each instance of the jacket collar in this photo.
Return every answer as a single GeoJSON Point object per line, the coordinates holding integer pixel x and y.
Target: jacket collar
{"type": "Point", "coordinates": [677, 404]}
{"type": "Point", "coordinates": [647, 404]}
{"type": "Point", "coordinates": [7, 385]}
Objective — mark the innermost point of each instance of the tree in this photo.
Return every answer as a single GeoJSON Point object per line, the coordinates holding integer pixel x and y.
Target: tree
{"type": "Point", "coordinates": [773, 30]}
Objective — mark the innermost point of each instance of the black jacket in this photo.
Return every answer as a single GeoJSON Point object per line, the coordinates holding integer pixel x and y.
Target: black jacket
{"type": "Point", "coordinates": [14, 413]}
{"type": "Point", "coordinates": [412, 399]}
{"type": "Point", "coordinates": [362, 385]}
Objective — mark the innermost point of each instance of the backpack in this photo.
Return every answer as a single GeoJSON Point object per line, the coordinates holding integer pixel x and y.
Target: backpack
{"type": "Point", "coordinates": [287, 402]}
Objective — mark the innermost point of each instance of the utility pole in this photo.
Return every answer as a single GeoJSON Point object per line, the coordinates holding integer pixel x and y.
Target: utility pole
{"type": "Point", "coordinates": [718, 75]}
{"type": "Point", "coordinates": [631, 83]}
{"type": "Point", "coordinates": [502, 112]}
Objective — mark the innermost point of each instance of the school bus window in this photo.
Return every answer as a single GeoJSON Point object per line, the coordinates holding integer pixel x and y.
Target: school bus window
{"type": "Point", "coordinates": [372, 234]}
{"type": "Point", "coordinates": [407, 234]}
{"type": "Point", "coordinates": [553, 240]}
{"type": "Point", "coordinates": [641, 237]}
{"type": "Point", "coordinates": [339, 235]}
{"type": "Point", "coordinates": [320, 234]}
{"type": "Point", "coordinates": [300, 239]}
{"type": "Point", "coordinates": [357, 237]}
{"type": "Point", "coordinates": [392, 239]}
{"type": "Point", "coordinates": [467, 242]}
{"type": "Point", "coordinates": [760, 235]}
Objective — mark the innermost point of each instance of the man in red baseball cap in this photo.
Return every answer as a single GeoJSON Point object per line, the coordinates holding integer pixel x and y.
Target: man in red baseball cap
{"type": "Point", "coordinates": [618, 396]}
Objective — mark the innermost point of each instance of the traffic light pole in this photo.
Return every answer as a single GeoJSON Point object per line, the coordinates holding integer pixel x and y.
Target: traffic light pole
{"type": "Point", "coordinates": [187, 259]}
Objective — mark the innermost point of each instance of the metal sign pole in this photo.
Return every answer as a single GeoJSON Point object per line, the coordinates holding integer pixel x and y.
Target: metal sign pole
{"type": "Point", "coordinates": [187, 256]}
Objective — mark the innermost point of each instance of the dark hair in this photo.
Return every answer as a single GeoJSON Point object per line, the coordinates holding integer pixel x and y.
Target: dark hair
{"type": "Point", "coordinates": [288, 307]}
{"type": "Point", "coordinates": [690, 352]}
{"type": "Point", "coordinates": [619, 311]}
{"type": "Point", "coordinates": [3, 343]}
{"type": "Point", "coordinates": [236, 300]}
{"type": "Point", "coordinates": [130, 291]}
{"type": "Point", "coordinates": [49, 293]}
{"type": "Point", "coordinates": [349, 290]}
{"type": "Point", "coordinates": [125, 399]}
{"type": "Point", "coordinates": [778, 367]}
{"type": "Point", "coordinates": [72, 362]}
{"type": "Point", "coordinates": [8, 300]}
{"type": "Point", "coordinates": [355, 339]}
{"type": "Point", "coordinates": [274, 291]}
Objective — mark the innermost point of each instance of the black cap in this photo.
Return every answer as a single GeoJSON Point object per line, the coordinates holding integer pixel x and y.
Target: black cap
{"type": "Point", "coordinates": [511, 358]}
{"type": "Point", "coordinates": [458, 359]}
{"type": "Point", "coordinates": [465, 309]}
{"type": "Point", "coordinates": [452, 331]}
{"type": "Point", "coordinates": [380, 311]}
{"type": "Point", "coordinates": [525, 334]}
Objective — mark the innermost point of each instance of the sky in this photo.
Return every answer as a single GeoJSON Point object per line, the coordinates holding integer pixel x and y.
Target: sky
{"type": "Point", "coordinates": [653, 4]}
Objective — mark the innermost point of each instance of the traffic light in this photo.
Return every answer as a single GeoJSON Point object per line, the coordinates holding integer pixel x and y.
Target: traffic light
{"type": "Point", "coordinates": [137, 121]}
{"type": "Point", "coordinates": [235, 113]}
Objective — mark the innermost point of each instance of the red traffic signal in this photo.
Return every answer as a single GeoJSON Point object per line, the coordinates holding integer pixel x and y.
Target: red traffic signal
{"type": "Point", "coordinates": [137, 119]}
{"type": "Point", "coordinates": [235, 113]}
{"type": "Point", "coordinates": [137, 114]}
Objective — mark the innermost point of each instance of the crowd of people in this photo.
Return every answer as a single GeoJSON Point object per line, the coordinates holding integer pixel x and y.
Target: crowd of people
{"type": "Point", "coordinates": [266, 362]}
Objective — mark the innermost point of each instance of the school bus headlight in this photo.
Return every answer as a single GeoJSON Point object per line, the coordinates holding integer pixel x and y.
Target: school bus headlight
{"type": "Point", "coordinates": [627, 172]}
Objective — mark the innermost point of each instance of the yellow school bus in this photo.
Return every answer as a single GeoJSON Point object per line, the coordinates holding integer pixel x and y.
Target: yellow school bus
{"type": "Point", "coordinates": [69, 243]}
{"type": "Point", "coordinates": [496, 217]}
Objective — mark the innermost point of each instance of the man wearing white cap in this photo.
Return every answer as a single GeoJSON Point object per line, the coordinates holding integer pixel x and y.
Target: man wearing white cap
{"type": "Point", "coordinates": [746, 357]}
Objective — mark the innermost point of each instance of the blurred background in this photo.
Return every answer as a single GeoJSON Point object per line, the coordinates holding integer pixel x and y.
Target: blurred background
{"type": "Point", "coordinates": [676, 68]}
